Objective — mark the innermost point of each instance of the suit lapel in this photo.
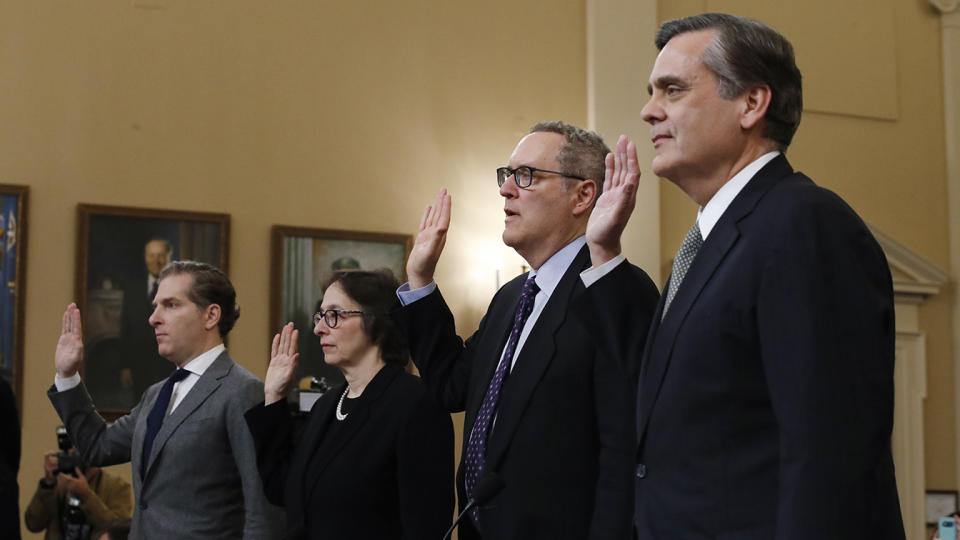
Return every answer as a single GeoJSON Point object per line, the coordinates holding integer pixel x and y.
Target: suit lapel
{"type": "Point", "coordinates": [537, 353]}
{"type": "Point", "coordinates": [205, 385]}
{"type": "Point", "coordinates": [722, 238]}
{"type": "Point", "coordinates": [500, 322]}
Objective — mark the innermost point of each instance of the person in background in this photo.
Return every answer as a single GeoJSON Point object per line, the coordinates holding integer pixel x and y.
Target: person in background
{"type": "Point", "coordinates": [104, 498]}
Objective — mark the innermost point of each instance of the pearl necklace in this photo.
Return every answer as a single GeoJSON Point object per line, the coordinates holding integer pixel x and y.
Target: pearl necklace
{"type": "Point", "coordinates": [340, 416]}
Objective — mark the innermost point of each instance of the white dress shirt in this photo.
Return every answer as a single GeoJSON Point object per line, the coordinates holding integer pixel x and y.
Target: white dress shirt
{"type": "Point", "coordinates": [548, 276]}
{"type": "Point", "coordinates": [196, 367]}
{"type": "Point", "coordinates": [707, 216]}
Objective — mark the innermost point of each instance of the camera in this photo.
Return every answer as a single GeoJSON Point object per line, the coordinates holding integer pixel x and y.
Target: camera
{"type": "Point", "coordinates": [67, 462]}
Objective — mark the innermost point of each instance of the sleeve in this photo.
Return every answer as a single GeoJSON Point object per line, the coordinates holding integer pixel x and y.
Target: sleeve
{"type": "Point", "coordinates": [443, 359]}
{"type": "Point", "coordinates": [99, 444]}
{"type": "Point", "coordinates": [41, 510]}
{"type": "Point", "coordinates": [272, 431]}
{"type": "Point", "coordinates": [617, 311]}
{"type": "Point", "coordinates": [826, 335]}
{"type": "Point", "coordinates": [425, 472]}
{"type": "Point", "coordinates": [262, 520]}
{"type": "Point", "coordinates": [111, 501]}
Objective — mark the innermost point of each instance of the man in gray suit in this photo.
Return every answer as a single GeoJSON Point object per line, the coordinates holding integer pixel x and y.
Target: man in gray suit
{"type": "Point", "coordinates": [194, 465]}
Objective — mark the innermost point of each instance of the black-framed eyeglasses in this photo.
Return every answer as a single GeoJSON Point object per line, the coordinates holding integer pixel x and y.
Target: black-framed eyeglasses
{"type": "Point", "coordinates": [523, 175]}
{"type": "Point", "coordinates": [332, 316]}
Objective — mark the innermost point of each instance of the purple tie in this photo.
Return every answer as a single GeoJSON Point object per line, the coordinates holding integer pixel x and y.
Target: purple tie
{"type": "Point", "coordinates": [477, 445]}
{"type": "Point", "coordinates": [155, 419]}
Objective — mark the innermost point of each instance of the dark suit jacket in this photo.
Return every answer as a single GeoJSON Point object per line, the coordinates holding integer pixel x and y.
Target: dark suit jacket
{"type": "Point", "coordinates": [388, 473]}
{"type": "Point", "coordinates": [9, 463]}
{"type": "Point", "coordinates": [766, 393]}
{"type": "Point", "coordinates": [563, 440]}
{"type": "Point", "coordinates": [201, 479]}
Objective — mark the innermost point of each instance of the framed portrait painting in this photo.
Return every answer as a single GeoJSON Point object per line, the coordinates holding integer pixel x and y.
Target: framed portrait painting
{"type": "Point", "coordinates": [121, 251]}
{"type": "Point", "coordinates": [13, 260]}
{"type": "Point", "coordinates": [302, 259]}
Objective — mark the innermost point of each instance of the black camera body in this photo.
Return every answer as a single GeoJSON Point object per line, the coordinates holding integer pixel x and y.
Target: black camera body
{"type": "Point", "coordinates": [67, 462]}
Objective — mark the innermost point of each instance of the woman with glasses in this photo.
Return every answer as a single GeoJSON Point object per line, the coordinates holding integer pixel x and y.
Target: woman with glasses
{"type": "Point", "coordinates": [375, 456]}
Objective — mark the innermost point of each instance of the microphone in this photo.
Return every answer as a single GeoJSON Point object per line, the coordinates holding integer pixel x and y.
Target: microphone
{"type": "Point", "coordinates": [488, 486]}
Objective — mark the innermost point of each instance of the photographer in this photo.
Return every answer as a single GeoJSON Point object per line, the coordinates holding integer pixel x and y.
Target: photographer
{"type": "Point", "coordinates": [68, 486]}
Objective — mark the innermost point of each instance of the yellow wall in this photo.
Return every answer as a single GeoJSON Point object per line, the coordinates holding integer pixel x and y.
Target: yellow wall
{"type": "Point", "coordinates": [873, 132]}
{"type": "Point", "coordinates": [346, 115]}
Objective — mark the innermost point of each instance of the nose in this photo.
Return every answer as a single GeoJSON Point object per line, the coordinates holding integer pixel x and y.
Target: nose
{"type": "Point", "coordinates": [509, 188]}
{"type": "Point", "coordinates": [154, 319]}
{"type": "Point", "coordinates": [652, 112]}
{"type": "Point", "coordinates": [321, 327]}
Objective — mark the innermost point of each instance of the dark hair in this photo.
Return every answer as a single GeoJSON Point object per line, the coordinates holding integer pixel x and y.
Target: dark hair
{"type": "Point", "coordinates": [747, 53]}
{"type": "Point", "coordinates": [210, 286]}
{"type": "Point", "coordinates": [376, 292]}
{"type": "Point", "coordinates": [582, 155]}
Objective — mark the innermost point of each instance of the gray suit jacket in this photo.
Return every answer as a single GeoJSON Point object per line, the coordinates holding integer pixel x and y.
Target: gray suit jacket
{"type": "Point", "coordinates": [201, 479]}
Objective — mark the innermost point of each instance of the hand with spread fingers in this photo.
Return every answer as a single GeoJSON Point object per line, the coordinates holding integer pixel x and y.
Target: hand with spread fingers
{"type": "Point", "coordinates": [69, 353]}
{"type": "Point", "coordinates": [615, 204]}
{"type": "Point", "coordinates": [283, 364]}
{"type": "Point", "coordinates": [431, 237]}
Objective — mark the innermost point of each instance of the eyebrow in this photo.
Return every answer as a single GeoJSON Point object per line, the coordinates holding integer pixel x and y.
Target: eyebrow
{"type": "Point", "coordinates": [665, 81]}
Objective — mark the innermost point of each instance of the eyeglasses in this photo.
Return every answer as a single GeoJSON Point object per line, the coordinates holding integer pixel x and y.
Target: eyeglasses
{"type": "Point", "coordinates": [332, 316]}
{"type": "Point", "coordinates": [523, 175]}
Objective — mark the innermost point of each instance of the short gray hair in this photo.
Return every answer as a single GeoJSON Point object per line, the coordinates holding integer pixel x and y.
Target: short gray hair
{"type": "Point", "coordinates": [747, 53]}
{"type": "Point", "coordinates": [582, 155]}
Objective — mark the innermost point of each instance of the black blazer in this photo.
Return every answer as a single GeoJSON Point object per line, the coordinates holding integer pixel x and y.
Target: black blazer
{"type": "Point", "coordinates": [563, 441]}
{"type": "Point", "coordinates": [9, 463]}
{"type": "Point", "coordinates": [766, 393]}
{"type": "Point", "coordinates": [389, 474]}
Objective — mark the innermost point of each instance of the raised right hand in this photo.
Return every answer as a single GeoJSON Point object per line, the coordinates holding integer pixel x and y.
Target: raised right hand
{"type": "Point", "coordinates": [283, 365]}
{"type": "Point", "coordinates": [431, 238]}
{"type": "Point", "coordinates": [69, 353]}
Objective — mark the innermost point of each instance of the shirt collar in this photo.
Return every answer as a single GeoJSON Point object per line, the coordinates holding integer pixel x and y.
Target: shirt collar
{"type": "Point", "coordinates": [200, 364]}
{"type": "Point", "coordinates": [550, 272]}
{"type": "Point", "coordinates": [709, 215]}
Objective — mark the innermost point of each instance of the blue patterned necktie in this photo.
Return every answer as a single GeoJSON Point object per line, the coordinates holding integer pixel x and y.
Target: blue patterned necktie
{"type": "Point", "coordinates": [681, 263]}
{"type": "Point", "coordinates": [477, 445]}
{"type": "Point", "coordinates": [155, 419]}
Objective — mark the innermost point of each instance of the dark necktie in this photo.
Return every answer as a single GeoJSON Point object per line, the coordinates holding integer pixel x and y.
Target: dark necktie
{"type": "Point", "coordinates": [153, 290]}
{"type": "Point", "coordinates": [155, 419]}
{"type": "Point", "coordinates": [681, 263]}
{"type": "Point", "coordinates": [477, 445]}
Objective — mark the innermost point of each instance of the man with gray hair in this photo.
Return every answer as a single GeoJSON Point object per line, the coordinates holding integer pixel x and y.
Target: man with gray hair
{"type": "Point", "coordinates": [548, 431]}
{"type": "Point", "coordinates": [765, 401]}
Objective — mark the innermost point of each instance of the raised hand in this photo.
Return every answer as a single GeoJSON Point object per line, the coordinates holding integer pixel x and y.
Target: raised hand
{"type": "Point", "coordinates": [283, 365]}
{"type": "Point", "coordinates": [69, 353]}
{"type": "Point", "coordinates": [431, 237]}
{"type": "Point", "coordinates": [615, 204]}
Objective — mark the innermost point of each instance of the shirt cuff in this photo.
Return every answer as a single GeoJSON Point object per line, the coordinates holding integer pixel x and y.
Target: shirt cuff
{"type": "Point", "coordinates": [594, 273]}
{"type": "Point", "coordinates": [408, 296]}
{"type": "Point", "coordinates": [64, 384]}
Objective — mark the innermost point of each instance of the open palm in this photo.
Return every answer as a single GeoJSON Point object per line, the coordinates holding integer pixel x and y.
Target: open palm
{"type": "Point", "coordinates": [69, 353]}
{"type": "Point", "coordinates": [431, 237]}
{"type": "Point", "coordinates": [283, 364]}
{"type": "Point", "coordinates": [614, 206]}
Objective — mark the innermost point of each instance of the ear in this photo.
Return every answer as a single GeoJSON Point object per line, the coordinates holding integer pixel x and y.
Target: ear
{"type": "Point", "coordinates": [756, 100]}
{"type": "Point", "coordinates": [211, 317]}
{"type": "Point", "coordinates": [584, 195]}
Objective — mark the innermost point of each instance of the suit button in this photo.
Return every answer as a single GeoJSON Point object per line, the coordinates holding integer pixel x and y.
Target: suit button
{"type": "Point", "coordinates": [641, 471]}
{"type": "Point", "coordinates": [143, 505]}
